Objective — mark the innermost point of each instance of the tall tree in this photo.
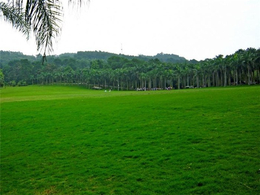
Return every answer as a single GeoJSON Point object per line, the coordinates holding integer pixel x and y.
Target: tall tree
{"type": "Point", "coordinates": [2, 78]}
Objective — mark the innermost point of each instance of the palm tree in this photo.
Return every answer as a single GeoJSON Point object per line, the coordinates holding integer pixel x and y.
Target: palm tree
{"type": "Point", "coordinates": [2, 78]}
{"type": "Point", "coordinates": [178, 72]}
{"type": "Point", "coordinates": [221, 70]}
{"type": "Point", "coordinates": [249, 60]}
{"type": "Point", "coordinates": [197, 71]}
{"type": "Point", "coordinates": [43, 17]}
{"type": "Point", "coordinates": [257, 63]}
{"type": "Point", "coordinates": [238, 57]}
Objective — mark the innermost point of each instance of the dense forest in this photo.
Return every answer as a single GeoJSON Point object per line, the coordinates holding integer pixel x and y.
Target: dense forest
{"type": "Point", "coordinates": [111, 71]}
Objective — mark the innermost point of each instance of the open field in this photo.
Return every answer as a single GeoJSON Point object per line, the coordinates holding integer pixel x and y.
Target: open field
{"type": "Point", "coordinates": [69, 140]}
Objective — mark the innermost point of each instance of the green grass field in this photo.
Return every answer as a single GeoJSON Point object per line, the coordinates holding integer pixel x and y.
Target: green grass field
{"type": "Point", "coordinates": [70, 140]}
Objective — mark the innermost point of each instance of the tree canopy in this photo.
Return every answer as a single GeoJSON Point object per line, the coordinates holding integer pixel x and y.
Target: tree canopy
{"type": "Point", "coordinates": [107, 70]}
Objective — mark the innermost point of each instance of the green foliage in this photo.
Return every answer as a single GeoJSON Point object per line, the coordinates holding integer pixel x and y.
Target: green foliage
{"type": "Point", "coordinates": [93, 55]}
{"type": "Point", "coordinates": [21, 83]}
{"type": "Point", "coordinates": [12, 83]}
{"type": "Point", "coordinates": [7, 56]}
{"type": "Point", "coordinates": [69, 140]}
{"type": "Point", "coordinates": [41, 17]}
{"type": "Point", "coordinates": [2, 78]}
{"type": "Point", "coordinates": [16, 17]}
{"type": "Point", "coordinates": [122, 72]}
{"type": "Point", "coordinates": [171, 58]}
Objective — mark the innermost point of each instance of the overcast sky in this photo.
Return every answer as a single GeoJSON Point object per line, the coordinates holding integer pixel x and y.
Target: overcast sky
{"type": "Point", "coordinates": [194, 29]}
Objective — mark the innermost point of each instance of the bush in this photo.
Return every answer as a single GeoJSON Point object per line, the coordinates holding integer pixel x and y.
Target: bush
{"type": "Point", "coordinates": [22, 83]}
{"type": "Point", "coordinates": [12, 83]}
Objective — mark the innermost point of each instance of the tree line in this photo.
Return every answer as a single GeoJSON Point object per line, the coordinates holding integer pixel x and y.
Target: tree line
{"type": "Point", "coordinates": [130, 73]}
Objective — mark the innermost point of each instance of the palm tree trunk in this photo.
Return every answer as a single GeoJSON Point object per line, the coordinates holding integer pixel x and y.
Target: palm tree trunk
{"type": "Point", "coordinates": [179, 82]}
{"type": "Point", "coordinates": [203, 80]}
{"type": "Point", "coordinates": [213, 80]}
{"type": "Point", "coordinates": [258, 76]}
{"type": "Point", "coordinates": [225, 77]}
{"type": "Point", "coordinates": [248, 75]}
{"type": "Point", "coordinates": [236, 83]}
{"type": "Point", "coordinates": [154, 83]}
{"type": "Point", "coordinates": [150, 83]}
{"type": "Point", "coordinates": [197, 78]}
{"type": "Point", "coordinates": [209, 82]}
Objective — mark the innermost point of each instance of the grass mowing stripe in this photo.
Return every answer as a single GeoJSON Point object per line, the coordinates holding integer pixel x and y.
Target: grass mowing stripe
{"type": "Point", "coordinates": [187, 142]}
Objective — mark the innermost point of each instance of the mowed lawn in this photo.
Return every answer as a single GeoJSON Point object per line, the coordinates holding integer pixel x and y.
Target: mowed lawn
{"type": "Point", "coordinates": [70, 140]}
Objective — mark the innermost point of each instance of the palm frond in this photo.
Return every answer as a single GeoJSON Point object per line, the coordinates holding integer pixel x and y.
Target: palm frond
{"type": "Point", "coordinates": [45, 19]}
{"type": "Point", "coordinates": [78, 2]}
{"type": "Point", "coordinates": [16, 17]}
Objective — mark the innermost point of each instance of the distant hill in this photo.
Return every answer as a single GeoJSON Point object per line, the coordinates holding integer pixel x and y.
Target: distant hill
{"type": "Point", "coordinates": [93, 55]}
{"type": "Point", "coordinates": [6, 56]}
{"type": "Point", "coordinates": [164, 58]}
{"type": "Point", "coordinates": [99, 55]}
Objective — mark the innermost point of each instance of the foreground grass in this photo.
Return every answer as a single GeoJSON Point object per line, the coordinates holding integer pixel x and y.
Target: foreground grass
{"type": "Point", "coordinates": [204, 141]}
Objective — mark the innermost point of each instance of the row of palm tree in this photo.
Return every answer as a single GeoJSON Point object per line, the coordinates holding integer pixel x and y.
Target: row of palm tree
{"type": "Point", "coordinates": [242, 67]}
